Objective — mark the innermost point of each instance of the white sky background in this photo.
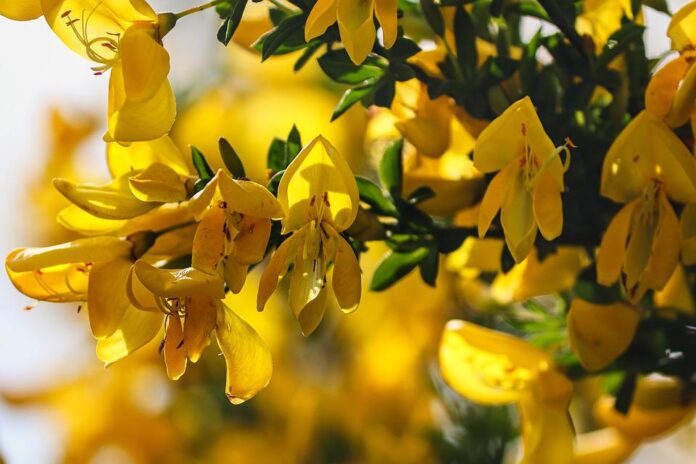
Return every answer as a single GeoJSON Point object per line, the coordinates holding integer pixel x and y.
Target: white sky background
{"type": "Point", "coordinates": [36, 72]}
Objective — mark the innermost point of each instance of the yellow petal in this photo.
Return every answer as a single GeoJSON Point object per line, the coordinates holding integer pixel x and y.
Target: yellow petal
{"type": "Point", "coordinates": [200, 320]}
{"type": "Point", "coordinates": [517, 218]}
{"type": "Point", "coordinates": [385, 10]}
{"type": "Point", "coordinates": [682, 28]}
{"type": "Point", "coordinates": [645, 150]}
{"type": "Point", "coordinates": [78, 220]}
{"type": "Point", "coordinates": [346, 279]}
{"type": "Point", "coordinates": [84, 250]}
{"type": "Point", "coordinates": [135, 330]}
{"type": "Point", "coordinates": [251, 241]}
{"type": "Point", "coordinates": [176, 283]}
{"type": "Point", "coordinates": [145, 62]}
{"type": "Point", "coordinates": [676, 293]}
{"type": "Point", "coordinates": [603, 446]}
{"type": "Point", "coordinates": [318, 179]}
{"type": "Point", "coordinates": [235, 275]}
{"type": "Point", "coordinates": [135, 121]}
{"type": "Point", "coordinates": [58, 284]}
{"type": "Point", "coordinates": [203, 199]}
{"type": "Point", "coordinates": [174, 350]}
{"type": "Point", "coordinates": [208, 247]}
{"type": "Point", "coordinates": [307, 296]}
{"type": "Point", "coordinates": [248, 197]}
{"type": "Point", "coordinates": [249, 365]}
{"type": "Point", "coordinates": [684, 99]}
{"type": "Point", "coordinates": [107, 295]}
{"type": "Point", "coordinates": [429, 130]}
{"type": "Point", "coordinates": [495, 195]}
{"type": "Point", "coordinates": [548, 207]}
{"type": "Point", "coordinates": [556, 273]}
{"type": "Point", "coordinates": [100, 19]}
{"type": "Point", "coordinates": [509, 134]}
{"type": "Point", "coordinates": [664, 84]}
{"type": "Point", "coordinates": [487, 366]}
{"type": "Point", "coordinates": [664, 255]}
{"type": "Point", "coordinates": [110, 201]}
{"type": "Point", "coordinates": [20, 10]}
{"type": "Point", "coordinates": [688, 231]}
{"type": "Point", "coordinates": [547, 433]}
{"type": "Point", "coordinates": [598, 334]}
{"type": "Point", "coordinates": [322, 16]}
{"type": "Point", "coordinates": [356, 26]}
{"type": "Point", "coordinates": [137, 156]}
{"type": "Point", "coordinates": [638, 251]}
{"type": "Point", "coordinates": [612, 249]}
{"type": "Point", "coordinates": [158, 183]}
{"type": "Point", "coordinates": [277, 267]}
{"type": "Point", "coordinates": [138, 295]}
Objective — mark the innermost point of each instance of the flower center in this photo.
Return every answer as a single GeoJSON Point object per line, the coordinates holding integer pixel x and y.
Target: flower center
{"type": "Point", "coordinates": [649, 211]}
{"type": "Point", "coordinates": [317, 206]}
{"type": "Point", "coordinates": [101, 49]}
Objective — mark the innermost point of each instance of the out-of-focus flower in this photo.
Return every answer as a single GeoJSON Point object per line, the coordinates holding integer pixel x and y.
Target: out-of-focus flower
{"type": "Point", "coordinates": [355, 23]}
{"type": "Point", "coordinates": [320, 198]}
{"type": "Point", "coordinates": [646, 165]}
{"type": "Point", "coordinates": [601, 18]}
{"type": "Point", "coordinates": [598, 334]}
{"type": "Point", "coordinates": [682, 28]}
{"type": "Point", "coordinates": [125, 37]}
{"type": "Point", "coordinates": [21, 10]}
{"type": "Point", "coordinates": [491, 367]}
{"type": "Point", "coordinates": [527, 189]}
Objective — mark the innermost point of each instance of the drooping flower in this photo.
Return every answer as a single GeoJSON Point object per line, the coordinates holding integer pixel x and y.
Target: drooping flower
{"type": "Point", "coordinates": [645, 167]}
{"type": "Point", "coordinates": [491, 367]}
{"type": "Point", "coordinates": [125, 37]}
{"type": "Point", "coordinates": [527, 188]}
{"type": "Point", "coordinates": [355, 23]}
{"type": "Point", "coordinates": [598, 334]}
{"type": "Point", "coordinates": [21, 10]}
{"type": "Point", "coordinates": [320, 198]}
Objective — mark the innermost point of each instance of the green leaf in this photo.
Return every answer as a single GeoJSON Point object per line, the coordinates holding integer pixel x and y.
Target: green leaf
{"type": "Point", "coordinates": [395, 266]}
{"type": "Point", "coordinates": [293, 145]}
{"type": "Point", "coordinates": [429, 267]}
{"type": "Point", "coordinates": [232, 22]}
{"type": "Point", "coordinates": [529, 8]}
{"type": "Point", "coordinates": [276, 155]}
{"type": "Point", "coordinates": [351, 97]}
{"type": "Point", "coordinates": [624, 397]}
{"type": "Point", "coordinates": [465, 41]}
{"type": "Point", "coordinates": [420, 195]}
{"type": "Point", "coordinates": [391, 168]}
{"type": "Point", "coordinates": [286, 37]}
{"type": "Point", "coordinates": [373, 195]}
{"type": "Point", "coordinates": [201, 165]}
{"type": "Point", "coordinates": [619, 42]}
{"type": "Point", "coordinates": [231, 159]}
{"type": "Point", "coordinates": [339, 67]}
{"type": "Point", "coordinates": [433, 15]}
{"type": "Point", "coordinates": [403, 49]}
{"type": "Point", "coordinates": [385, 90]}
{"type": "Point", "coordinates": [529, 65]}
{"type": "Point", "coordinates": [306, 55]}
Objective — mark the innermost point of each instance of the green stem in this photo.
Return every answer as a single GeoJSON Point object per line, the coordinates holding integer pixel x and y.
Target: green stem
{"type": "Point", "coordinates": [196, 9]}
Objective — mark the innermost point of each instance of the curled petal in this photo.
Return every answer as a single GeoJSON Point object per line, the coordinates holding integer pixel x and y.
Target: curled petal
{"type": "Point", "coordinates": [135, 330]}
{"type": "Point", "coordinates": [249, 364]}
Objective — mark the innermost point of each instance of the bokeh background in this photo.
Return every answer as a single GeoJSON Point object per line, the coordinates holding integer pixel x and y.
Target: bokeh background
{"type": "Point", "coordinates": [364, 388]}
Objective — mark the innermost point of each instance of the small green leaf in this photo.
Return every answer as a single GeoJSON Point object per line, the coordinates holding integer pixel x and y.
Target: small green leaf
{"type": "Point", "coordinates": [619, 42]}
{"type": "Point", "coordinates": [624, 397]}
{"type": "Point", "coordinates": [338, 66]}
{"type": "Point", "coordinates": [201, 165]}
{"type": "Point", "coordinates": [465, 41]}
{"type": "Point", "coordinates": [373, 195]}
{"type": "Point", "coordinates": [232, 22]}
{"type": "Point", "coordinates": [385, 91]}
{"type": "Point", "coordinates": [391, 168]}
{"type": "Point", "coordinates": [395, 266]}
{"type": "Point", "coordinates": [403, 49]}
{"type": "Point", "coordinates": [351, 97]}
{"type": "Point", "coordinates": [276, 155]}
{"type": "Point", "coordinates": [230, 158]}
{"type": "Point", "coordinates": [433, 15]}
{"type": "Point", "coordinates": [429, 267]}
{"type": "Point", "coordinates": [286, 37]}
{"type": "Point", "coordinates": [293, 145]}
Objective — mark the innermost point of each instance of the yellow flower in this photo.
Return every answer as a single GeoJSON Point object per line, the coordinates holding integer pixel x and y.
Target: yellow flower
{"type": "Point", "coordinates": [235, 225]}
{"type": "Point", "coordinates": [491, 367]}
{"type": "Point", "coordinates": [671, 92]}
{"type": "Point", "coordinates": [646, 165]}
{"type": "Point", "coordinates": [91, 270]}
{"type": "Point", "coordinates": [601, 18]}
{"type": "Point", "coordinates": [527, 189]}
{"type": "Point", "coordinates": [688, 230]}
{"type": "Point", "coordinates": [192, 300]}
{"type": "Point", "coordinates": [682, 28]}
{"type": "Point", "coordinates": [658, 406]}
{"type": "Point", "coordinates": [320, 198]}
{"type": "Point", "coordinates": [20, 10]}
{"type": "Point", "coordinates": [598, 334]}
{"type": "Point", "coordinates": [123, 36]}
{"type": "Point", "coordinates": [355, 23]}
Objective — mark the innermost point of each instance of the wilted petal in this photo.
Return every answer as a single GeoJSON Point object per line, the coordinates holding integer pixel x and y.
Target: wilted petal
{"type": "Point", "coordinates": [598, 334]}
{"type": "Point", "coordinates": [174, 350]}
{"type": "Point", "coordinates": [107, 295]}
{"type": "Point", "coordinates": [249, 364]}
{"type": "Point", "coordinates": [135, 330]}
